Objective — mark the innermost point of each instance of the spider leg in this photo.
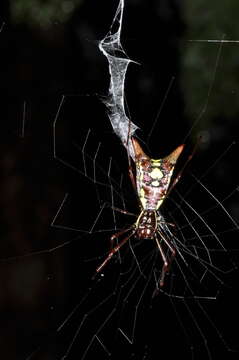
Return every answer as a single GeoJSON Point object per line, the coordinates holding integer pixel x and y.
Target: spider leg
{"type": "Point", "coordinates": [161, 220]}
{"type": "Point", "coordinates": [117, 235]}
{"type": "Point", "coordinates": [167, 223]}
{"type": "Point", "coordinates": [121, 210]}
{"type": "Point", "coordinates": [114, 249]}
{"type": "Point", "coordinates": [171, 247]}
{"type": "Point", "coordinates": [173, 251]}
{"type": "Point", "coordinates": [165, 263]}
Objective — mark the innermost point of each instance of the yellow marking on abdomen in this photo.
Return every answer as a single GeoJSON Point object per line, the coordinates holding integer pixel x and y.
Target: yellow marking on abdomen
{"type": "Point", "coordinates": [155, 183]}
{"type": "Point", "coordinates": [156, 174]}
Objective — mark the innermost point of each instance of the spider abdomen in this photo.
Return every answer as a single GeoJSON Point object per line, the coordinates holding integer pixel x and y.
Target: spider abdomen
{"type": "Point", "coordinates": [153, 176]}
{"type": "Point", "coordinates": [152, 183]}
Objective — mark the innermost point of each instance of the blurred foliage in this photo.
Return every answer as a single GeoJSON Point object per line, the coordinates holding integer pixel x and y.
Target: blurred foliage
{"type": "Point", "coordinates": [42, 13]}
{"type": "Point", "coordinates": [202, 60]}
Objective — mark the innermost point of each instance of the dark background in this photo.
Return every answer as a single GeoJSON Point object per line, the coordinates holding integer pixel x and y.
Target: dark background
{"type": "Point", "coordinates": [46, 57]}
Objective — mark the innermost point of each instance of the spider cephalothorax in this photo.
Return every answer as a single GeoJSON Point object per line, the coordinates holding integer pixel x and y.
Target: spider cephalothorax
{"type": "Point", "coordinates": [146, 224]}
{"type": "Point", "coordinates": [151, 183]}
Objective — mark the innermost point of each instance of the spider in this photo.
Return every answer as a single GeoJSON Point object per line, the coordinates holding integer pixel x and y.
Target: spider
{"type": "Point", "coordinates": [152, 187]}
